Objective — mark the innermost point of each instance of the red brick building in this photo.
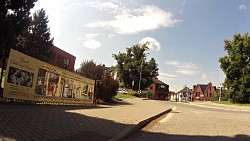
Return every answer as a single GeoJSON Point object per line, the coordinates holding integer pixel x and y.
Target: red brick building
{"type": "Point", "coordinates": [202, 92]}
{"type": "Point", "coordinates": [63, 59]}
{"type": "Point", "coordinates": [159, 89]}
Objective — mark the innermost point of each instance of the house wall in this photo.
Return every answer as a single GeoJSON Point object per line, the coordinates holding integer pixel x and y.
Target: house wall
{"type": "Point", "coordinates": [197, 93]}
{"type": "Point", "coordinates": [61, 56]}
{"type": "Point", "coordinates": [157, 93]}
{"type": "Point", "coordinates": [209, 94]}
{"type": "Point", "coordinates": [151, 88]}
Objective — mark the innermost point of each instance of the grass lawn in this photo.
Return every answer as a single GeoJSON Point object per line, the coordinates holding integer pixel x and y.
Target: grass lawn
{"type": "Point", "coordinates": [230, 103]}
{"type": "Point", "coordinates": [120, 96]}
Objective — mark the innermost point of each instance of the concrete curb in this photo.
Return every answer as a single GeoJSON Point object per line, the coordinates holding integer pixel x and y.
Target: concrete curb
{"type": "Point", "coordinates": [133, 128]}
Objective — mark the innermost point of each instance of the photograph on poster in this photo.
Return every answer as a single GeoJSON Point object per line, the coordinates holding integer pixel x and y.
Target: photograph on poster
{"type": "Point", "coordinates": [41, 82]}
{"type": "Point", "coordinates": [53, 84]}
{"type": "Point", "coordinates": [66, 88]}
{"type": "Point", "coordinates": [20, 77]}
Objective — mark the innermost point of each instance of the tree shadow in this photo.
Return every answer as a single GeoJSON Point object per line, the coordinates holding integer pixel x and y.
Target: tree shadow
{"type": "Point", "coordinates": [150, 136]}
{"type": "Point", "coordinates": [59, 123]}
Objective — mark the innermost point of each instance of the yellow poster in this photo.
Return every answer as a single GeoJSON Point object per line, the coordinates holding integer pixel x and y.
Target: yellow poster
{"type": "Point", "coordinates": [30, 79]}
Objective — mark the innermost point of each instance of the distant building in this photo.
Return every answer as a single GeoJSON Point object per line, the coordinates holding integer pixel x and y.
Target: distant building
{"type": "Point", "coordinates": [159, 89]}
{"type": "Point", "coordinates": [202, 92]}
{"type": "Point", "coordinates": [63, 59]}
{"type": "Point", "coordinates": [185, 94]}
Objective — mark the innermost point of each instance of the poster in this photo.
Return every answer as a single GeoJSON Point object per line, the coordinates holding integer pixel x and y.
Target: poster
{"type": "Point", "coordinates": [31, 79]}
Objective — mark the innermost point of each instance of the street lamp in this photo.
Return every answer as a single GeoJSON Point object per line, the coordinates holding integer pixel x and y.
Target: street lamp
{"type": "Point", "coordinates": [220, 84]}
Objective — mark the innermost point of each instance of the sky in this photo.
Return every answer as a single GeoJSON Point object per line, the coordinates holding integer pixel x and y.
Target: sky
{"type": "Point", "coordinates": [186, 36]}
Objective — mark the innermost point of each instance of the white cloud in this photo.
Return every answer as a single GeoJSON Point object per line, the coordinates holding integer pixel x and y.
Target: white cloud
{"type": "Point", "coordinates": [172, 63]}
{"type": "Point", "coordinates": [242, 7]}
{"type": "Point", "coordinates": [91, 35]}
{"type": "Point", "coordinates": [91, 42]}
{"type": "Point", "coordinates": [165, 78]}
{"type": "Point", "coordinates": [167, 75]}
{"type": "Point", "coordinates": [132, 21]}
{"type": "Point", "coordinates": [187, 68]}
{"type": "Point", "coordinates": [203, 77]}
{"type": "Point", "coordinates": [153, 44]}
{"type": "Point", "coordinates": [104, 6]}
{"type": "Point", "coordinates": [111, 35]}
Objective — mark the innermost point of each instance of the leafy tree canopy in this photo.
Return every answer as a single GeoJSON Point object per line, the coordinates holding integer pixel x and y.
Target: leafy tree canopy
{"type": "Point", "coordinates": [14, 19]}
{"type": "Point", "coordinates": [92, 70]}
{"type": "Point", "coordinates": [133, 64]}
{"type": "Point", "coordinates": [236, 66]}
{"type": "Point", "coordinates": [36, 40]}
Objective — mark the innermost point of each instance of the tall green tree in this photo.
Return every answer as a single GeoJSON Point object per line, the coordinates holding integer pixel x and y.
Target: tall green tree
{"type": "Point", "coordinates": [133, 67]}
{"type": "Point", "coordinates": [236, 66]}
{"type": "Point", "coordinates": [36, 40]}
{"type": "Point", "coordinates": [14, 19]}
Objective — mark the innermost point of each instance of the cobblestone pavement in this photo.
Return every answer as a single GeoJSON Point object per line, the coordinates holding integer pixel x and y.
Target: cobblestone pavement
{"type": "Point", "coordinates": [47, 122]}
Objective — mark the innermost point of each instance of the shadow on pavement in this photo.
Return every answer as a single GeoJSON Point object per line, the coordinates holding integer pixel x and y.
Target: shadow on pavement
{"type": "Point", "coordinates": [149, 136]}
{"type": "Point", "coordinates": [47, 122]}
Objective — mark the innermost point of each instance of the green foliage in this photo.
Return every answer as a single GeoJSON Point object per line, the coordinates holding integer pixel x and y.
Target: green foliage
{"type": "Point", "coordinates": [36, 40]}
{"type": "Point", "coordinates": [14, 19]}
{"type": "Point", "coordinates": [106, 86]}
{"type": "Point", "coordinates": [134, 93]}
{"type": "Point", "coordinates": [119, 97]}
{"type": "Point", "coordinates": [92, 70]}
{"type": "Point", "coordinates": [236, 66]}
{"type": "Point", "coordinates": [131, 64]}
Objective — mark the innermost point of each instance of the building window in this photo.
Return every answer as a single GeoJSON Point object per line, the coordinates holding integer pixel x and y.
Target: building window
{"type": "Point", "coordinates": [161, 87]}
{"type": "Point", "coordinates": [210, 94]}
{"type": "Point", "coordinates": [197, 94]}
{"type": "Point", "coordinates": [150, 87]}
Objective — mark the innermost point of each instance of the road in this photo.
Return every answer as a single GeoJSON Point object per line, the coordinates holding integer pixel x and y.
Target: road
{"type": "Point", "coordinates": [198, 121]}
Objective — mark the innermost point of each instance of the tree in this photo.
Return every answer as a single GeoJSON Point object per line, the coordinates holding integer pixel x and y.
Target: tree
{"type": "Point", "coordinates": [14, 19]}
{"type": "Point", "coordinates": [236, 66]}
{"type": "Point", "coordinates": [92, 70]}
{"type": "Point", "coordinates": [36, 40]}
{"type": "Point", "coordinates": [106, 86]}
{"type": "Point", "coordinates": [132, 66]}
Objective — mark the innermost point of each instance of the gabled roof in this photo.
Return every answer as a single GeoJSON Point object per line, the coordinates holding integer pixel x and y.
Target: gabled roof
{"type": "Point", "coordinates": [157, 81]}
{"type": "Point", "coordinates": [203, 87]}
{"type": "Point", "coordinates": [185, 90]}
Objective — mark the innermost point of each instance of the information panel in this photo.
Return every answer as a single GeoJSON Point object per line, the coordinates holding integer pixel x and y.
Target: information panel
{"type": "Point", "coordinates": [30, 79]}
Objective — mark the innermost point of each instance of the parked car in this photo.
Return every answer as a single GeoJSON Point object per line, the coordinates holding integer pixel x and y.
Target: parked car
{"type": "Point", "coordinates": [123, 91]}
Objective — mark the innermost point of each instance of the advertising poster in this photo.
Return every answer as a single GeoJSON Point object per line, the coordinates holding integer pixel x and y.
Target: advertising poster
{"type": "Point", "coordinates": [31, 79]}
{"type": "Point", "coordinates": [20, 75]}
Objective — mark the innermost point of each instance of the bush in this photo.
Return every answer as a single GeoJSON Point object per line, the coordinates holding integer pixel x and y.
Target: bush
{"type": "Point", "coordinates": [134, 93]}
{"type": "Point", "coordinates": [107, 88]}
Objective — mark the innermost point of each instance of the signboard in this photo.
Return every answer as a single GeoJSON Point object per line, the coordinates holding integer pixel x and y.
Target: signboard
{"type": "Point", "coordinates": [30, 79]}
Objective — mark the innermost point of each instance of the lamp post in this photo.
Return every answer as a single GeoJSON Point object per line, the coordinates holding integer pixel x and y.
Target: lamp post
{"type": "Point", "coordinates": [220, 84]}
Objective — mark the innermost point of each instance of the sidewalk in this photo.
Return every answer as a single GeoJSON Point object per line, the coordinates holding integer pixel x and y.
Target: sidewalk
{"type": "Point", "coordinates": [47, 122]}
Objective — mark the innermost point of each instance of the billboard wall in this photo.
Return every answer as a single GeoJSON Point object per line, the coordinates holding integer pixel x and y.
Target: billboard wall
{"type": "Point", "coordinates": [31, 79]}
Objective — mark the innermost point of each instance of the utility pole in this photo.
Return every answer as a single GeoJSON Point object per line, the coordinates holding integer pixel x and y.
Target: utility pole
{"type": "Point", "coordinates": [220, 84]}
{"type": "Point", "coordinates": [140, 78]}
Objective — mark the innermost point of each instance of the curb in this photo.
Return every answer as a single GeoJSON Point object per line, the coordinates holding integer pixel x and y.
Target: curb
{"type": "Point", "coordinates": [133, 128]}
